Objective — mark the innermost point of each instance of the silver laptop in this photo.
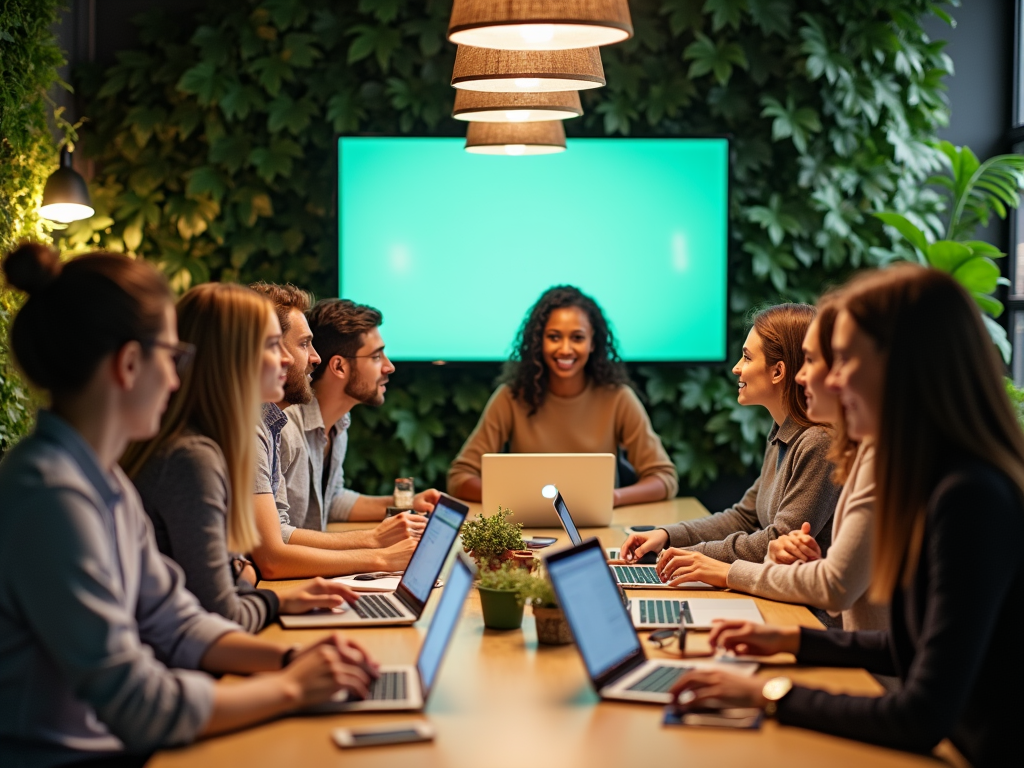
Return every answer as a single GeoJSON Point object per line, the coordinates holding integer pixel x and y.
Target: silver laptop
{"type": "Point", "coordinates": [665, 613]}
{"type": "Point", "coordinates": [516, 481]}
{"type": "Point", "coordinates": [405, 605]}
{"type": "Point", "coordinates": [403, 687]}
{"type": "Point", "coordinates": [633, 576]}
{"type": "Point", "coordinates": [604, 634]}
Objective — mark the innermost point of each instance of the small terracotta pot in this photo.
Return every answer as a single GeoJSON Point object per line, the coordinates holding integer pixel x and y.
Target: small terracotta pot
{"type": "Point", "coordinates": [521, 557]}
{"type": "Point", "coordinates": [552, 628]}
{"type": "Point", "coordinates": [500, 608]}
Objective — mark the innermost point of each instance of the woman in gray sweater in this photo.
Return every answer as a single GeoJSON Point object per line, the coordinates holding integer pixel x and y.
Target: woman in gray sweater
{"type": "Point", "coordinates": [188, 475]}
{"type": "Point", "coordinates": [794, 486]}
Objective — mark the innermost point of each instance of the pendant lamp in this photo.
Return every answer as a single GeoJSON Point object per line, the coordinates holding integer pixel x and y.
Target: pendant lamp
{"type": "Point", "coordinates": [476, 106]}
{"type": "Point", "coordinates": [516, 139]}
{"type": "Point", "coordinates": [539, 25]}
{"type": "Point", "coordinates": [66, 195]}
{"type": "Point", "coordinates": [483, 69]}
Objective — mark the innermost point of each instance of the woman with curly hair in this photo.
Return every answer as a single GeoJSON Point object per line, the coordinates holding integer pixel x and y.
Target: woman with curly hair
{"type": "Point", "coordinates": [566, 390]}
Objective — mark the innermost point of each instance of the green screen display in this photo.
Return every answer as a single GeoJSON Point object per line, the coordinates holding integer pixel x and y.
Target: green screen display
{"type": "Point", "coordinates": [454, 248]}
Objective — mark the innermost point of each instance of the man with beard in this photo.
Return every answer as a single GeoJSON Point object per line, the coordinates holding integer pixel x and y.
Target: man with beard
{"type": "Point", "coordinates": [354, 370]}
{"type": "Point", "coordinates": [286, 550]}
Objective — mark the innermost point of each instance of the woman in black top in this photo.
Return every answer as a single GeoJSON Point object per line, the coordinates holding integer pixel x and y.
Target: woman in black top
{"type": "Point", "coordinates": [915, 369]}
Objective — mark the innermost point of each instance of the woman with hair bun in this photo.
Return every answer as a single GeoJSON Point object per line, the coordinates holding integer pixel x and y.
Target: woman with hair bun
{"type": "Point", "coordinates": [565, 390]}
{"type": "Point", "coordinates": [103, 653]}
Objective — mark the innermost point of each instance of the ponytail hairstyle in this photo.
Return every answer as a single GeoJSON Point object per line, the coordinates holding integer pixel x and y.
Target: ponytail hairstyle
{"type": "Point", "coordinates": [220, 397]}
{"type": "Point", "coordinates": [80, 311]}
{"type": "Point", "coordinates": [782, 329]}
{"type": "Point", "coordinates": [942, 395]}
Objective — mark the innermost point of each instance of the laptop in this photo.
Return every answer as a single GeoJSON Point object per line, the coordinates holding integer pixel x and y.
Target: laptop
{"type": "Point", "coordinates": [405, 605]}
{"type": "Point", "coordinates": [633, 576]}
{"type": "Point", "coordinates": [403, 687]}
{"type": "Point", "coordinates": [604, 633]}
{"type": "Point", "coordinates": [665, 613]}
{"type": "Point", "coordinates": [516, 481]}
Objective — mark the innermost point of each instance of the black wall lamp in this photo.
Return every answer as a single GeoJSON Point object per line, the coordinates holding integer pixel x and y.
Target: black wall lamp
{"type": "Point", "coordinates": [66, 195]}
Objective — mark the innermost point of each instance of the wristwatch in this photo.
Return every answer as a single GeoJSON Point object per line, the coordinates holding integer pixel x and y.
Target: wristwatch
{"type": "Point", "coordinates": [775, 690]}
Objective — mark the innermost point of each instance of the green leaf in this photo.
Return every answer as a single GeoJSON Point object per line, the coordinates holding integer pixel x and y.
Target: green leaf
{"type": "Point", "coordinates": [286, 113]}
{"type": "Point", "coordinates": [239, 100]}
{"type": "Point", "coordinates": [981, 248]}
{"type": "Point", "coordinates": [271, 71]}
{"type": "Point", "coordinates": [205, 80]}
{"type": "Point", "coordinates": [384, 10]}
{"type": "Point", "coordinates": [707, 56]}
{"type": "Point", "coordinates": [231, 151]}
{"type": "Point", "coordinates": [902, 224]}
{"type": "Point", "coordinates": [978, 275]}
{"type": "Point", "coordinates": [725, 12]}
{"type": "Point", "coordinates": [299, 50]}
{"type": "Point", "coordinates": [275, 159]}
{"type": "Point", "coordinates": [772, 16]}
{"type": "Point", "coordinates": [382, 41]}
{"type": "Point", "coordinates": [988, 304]}
{"type": "Point", "coordinates": [683, 15]}
{"type": "Point", "coordinates": [791, 121]}
{"type": "Point", "coordinates": [345, 111]}
{"type": "Point", "coordinates": [205, 180]}
{"type": "Point", "coordinates": [213, 45]}
{"type": "Point", "coordinates": [949, 256]}
{"type": "Point", "coordinates": [998, 335]}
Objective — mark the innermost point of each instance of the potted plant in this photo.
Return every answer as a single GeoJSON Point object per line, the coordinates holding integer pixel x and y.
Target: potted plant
{"type": "Point", "coordinates": [493, 540]}
{"type": "Point", "coordinates": [503, 592]}
{"type": "Point", "coordinates": [552, 628]}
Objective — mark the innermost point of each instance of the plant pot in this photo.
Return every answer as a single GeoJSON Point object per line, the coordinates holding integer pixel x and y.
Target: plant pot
{"type": "Point", "coordinates": [552, 628]}
{"type": "Point", "coordinates": [501, 611]}
{"type": "Point", "coordinates": [521, 557]}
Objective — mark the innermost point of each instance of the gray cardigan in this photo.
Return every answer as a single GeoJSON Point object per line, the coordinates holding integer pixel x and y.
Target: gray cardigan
{"type": "Point", "coordinates": [794, 487]}
{"type": "Point", "coordinates": [99, 639]}
{"type": "Point", "coordinates": [186, 493]}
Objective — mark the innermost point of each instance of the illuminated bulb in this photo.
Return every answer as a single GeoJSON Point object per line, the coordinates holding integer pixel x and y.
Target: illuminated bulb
{"type": "Point", "coordinates": [65, 213]}
{"type": "Point", "coordinates": [549, 491]}
{"type": "Point", "coordinates": [515, 149]}
{"type": "Point", "coordinates": [518, 116]}
{"type": "Point", "coordinates": [537, 33]}
{"type": "Point", "coordinates": [526, 83]}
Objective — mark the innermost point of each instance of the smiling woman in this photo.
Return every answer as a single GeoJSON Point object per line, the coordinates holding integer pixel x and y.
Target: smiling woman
{"type": "Point", "coordinates": [566, 390]}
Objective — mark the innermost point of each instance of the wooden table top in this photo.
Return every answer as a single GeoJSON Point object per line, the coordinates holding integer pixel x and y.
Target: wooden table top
{"type": "Point", "coordinates": [504, 700]}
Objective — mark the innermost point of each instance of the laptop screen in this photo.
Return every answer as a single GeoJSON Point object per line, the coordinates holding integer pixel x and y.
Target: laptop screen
{"type": "Point", "coordinates": [438, 537]}
{"type": "Point", "coordinates": [567, 523]}
{"type": "Point", "coordinates": [600, 623]}
{"type": "Point", "coordinates": [449, 608]}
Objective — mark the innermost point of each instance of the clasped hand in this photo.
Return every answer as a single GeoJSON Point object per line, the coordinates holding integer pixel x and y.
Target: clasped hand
{"type": "Point", "coordinates": [333, 663]}
{"type": "Point", "coordinates": [795, 547]}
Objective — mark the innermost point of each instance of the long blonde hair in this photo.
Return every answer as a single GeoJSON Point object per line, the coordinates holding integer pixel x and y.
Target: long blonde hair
{"type": "Point", "coordinates": [220, 396]}
{"type": "Point", "coordinates": [943, 395]}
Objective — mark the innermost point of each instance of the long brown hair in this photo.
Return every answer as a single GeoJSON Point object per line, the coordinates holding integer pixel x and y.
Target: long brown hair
{"type": "Point", "coordinates": [842, 450]}
{"type": "Point", "coordinates": [943, 395]}
{"type": "Point", "coordinates": [782, 329]}
{"type": "Point", "coordinates": [220, 397]}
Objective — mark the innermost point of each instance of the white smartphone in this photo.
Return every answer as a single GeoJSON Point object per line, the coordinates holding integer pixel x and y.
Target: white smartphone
{"type": "Point", "coordinates": [393, 733]}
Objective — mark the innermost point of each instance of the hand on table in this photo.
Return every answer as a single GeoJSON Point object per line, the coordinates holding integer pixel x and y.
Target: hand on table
{"type": "Point", "coordinates": [712, 689]}
{"type": "Point", "coordinates": [676, 566]}
{"type": "Point", "coordinates": [397, 556]}
{"type": "Point", "coordinates": [327, 666]}
{"type": "Point", "coordinates": [394, 530]}
{"type": "Point", "coordinates": [318, 593]}
{"type": "Point", "coordinates": [745, 638]}
{"type": "Point", "coordinates": [795, 547]}
{"type": "Point", "coordinates": [639, 544]}
{"type": "Point", "coordinates": [425, 501]}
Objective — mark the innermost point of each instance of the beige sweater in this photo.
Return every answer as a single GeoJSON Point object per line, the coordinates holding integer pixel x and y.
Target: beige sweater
{"type": "Point", "coordinates": [839, 581]}
{"type": "Point", "coordinates": [598, 420]}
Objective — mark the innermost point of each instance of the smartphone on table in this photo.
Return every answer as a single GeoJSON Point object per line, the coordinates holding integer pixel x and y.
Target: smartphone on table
{"type": "Point", "coordinates": [381, 735]}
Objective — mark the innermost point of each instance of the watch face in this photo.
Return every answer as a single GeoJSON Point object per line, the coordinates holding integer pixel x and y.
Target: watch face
{"type": "Point", "coordinates": [776, 688]}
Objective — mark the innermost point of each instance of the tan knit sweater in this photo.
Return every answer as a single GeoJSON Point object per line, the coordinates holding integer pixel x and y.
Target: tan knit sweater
{"type": "Point", "coordinates": [598, 420]}
{"type": "Point", "coordinates": [840, 580]}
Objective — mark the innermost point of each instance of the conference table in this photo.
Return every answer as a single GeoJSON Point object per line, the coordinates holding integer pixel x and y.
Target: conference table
{"type": "Point", "coordinates": [503, 700]}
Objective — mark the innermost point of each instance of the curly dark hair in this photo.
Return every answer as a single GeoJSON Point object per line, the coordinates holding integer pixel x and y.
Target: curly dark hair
{"type": "Point", "coordinates": [526, 373]}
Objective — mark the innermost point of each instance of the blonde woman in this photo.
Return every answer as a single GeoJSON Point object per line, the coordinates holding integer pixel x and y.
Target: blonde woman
{"type": "Point", "coordinates": [190, 474]}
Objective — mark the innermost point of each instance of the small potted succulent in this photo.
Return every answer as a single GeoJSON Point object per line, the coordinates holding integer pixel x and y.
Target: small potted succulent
{"type": "Point", "coordinates": [552, 628]}
{"type": "Point", "coordinates": [493, 540]}
{"type": "Point", "coordinates": [503, 593]}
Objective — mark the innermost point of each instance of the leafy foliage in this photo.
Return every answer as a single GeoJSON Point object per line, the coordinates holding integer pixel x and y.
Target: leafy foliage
{"type": "Point", "coordinates": [215, 149]}
{"type": "Point", "coordinates": [491, 537]}
{"type": "Point", "coordinates": [29, 58]}
{"type": "Point", "coordinates": [1016, 395]}
{"type": "Point", "coordinates": [510, 577]}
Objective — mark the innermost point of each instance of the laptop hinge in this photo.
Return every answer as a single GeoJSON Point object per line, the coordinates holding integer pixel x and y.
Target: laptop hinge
{"type": "Point", "coordinates": [620, 671]}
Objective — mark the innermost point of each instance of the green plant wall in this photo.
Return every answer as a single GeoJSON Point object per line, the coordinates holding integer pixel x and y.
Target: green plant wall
{"type": "Point", "coordinates": [29, 58]}
{"type": "Point", "coordinates": [214, 144]}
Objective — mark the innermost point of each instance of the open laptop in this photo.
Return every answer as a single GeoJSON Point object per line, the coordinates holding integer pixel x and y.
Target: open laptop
{"type": "Point", "coordinates": [604, 634]}
{"type": "Point", "coordinates": [665, 613]}
{"type": "Point", "coordinates": [405, 605]}
{"type": "Point", "coordinates": [403, 687]}
{"type": "Point", "coordinates": [515, 481]}
{"type": "Point", "coordinates": [633, 576]}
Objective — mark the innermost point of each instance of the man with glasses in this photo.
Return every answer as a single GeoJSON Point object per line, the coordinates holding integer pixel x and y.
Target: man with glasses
{"type": "Point", "coordinates": [354, 370]}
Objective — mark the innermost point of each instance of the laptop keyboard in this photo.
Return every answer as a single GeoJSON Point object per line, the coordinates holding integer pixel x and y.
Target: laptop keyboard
{"type": "Point", "coordinates": [636, 574]}
{"type": "Point", "coordinates": [390, 686]}
{"type": "Point", "coordinates": [658, 680]}
{"type": "Point", "coordinates": [370, 606]}
{"type": "Point", "coordinates": [660, 611]}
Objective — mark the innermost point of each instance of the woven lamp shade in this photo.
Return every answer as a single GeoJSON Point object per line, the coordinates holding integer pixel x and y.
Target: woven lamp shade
{"type": "Point", "coordinates": [539, 25]}
{"type": "Point", "coordinates": [516, 138]}
{"type": "Point", "coordinates": [483, 69]}
{"type": "Point", "coordinates": [477, 106]}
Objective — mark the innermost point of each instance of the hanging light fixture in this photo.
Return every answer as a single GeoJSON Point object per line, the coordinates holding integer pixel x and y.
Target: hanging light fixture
{"type": "Point", "coordinates": [477, 106]}
{"type": "Point", "coordinates": [529, 25]}
{"type": "Point", "coordinates": [66, 195]}
{"type": "Point", "coordinates": [543, 138]}
{"type": "Point", "coordinates": [483, 69]}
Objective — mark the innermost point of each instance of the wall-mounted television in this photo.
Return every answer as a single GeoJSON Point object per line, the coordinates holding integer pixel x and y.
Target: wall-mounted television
{"type": "Point", "coordinates": [453, 247]}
